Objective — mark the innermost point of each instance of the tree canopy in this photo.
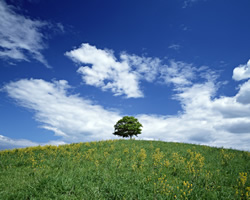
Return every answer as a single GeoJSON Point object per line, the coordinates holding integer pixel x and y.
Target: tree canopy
{"type": "Point", "coordinates": [127, 127]}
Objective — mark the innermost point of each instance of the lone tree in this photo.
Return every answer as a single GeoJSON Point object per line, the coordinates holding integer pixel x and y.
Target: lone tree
{"type": "Point", "coordinates": [127, 127]}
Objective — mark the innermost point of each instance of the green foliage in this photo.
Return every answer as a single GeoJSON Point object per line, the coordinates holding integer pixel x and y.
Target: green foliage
{"type": "Point", "coordinates": [124, 169]}
{"type": "Point", "coordinates": [127, 127]}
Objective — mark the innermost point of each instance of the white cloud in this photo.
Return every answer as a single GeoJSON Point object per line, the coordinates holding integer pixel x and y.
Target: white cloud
{"type": "Point", "coordinates": [145, 67]}
{"type": "Point", "coordinates": [242, 72]}
{"type": "Point", "coordinates": [221, 121]}
{"type": "Point", "coordinates": [205, 117]}
{"type": "Point", "coordinates": [68, 116]}
{"type": "Point", "coordinates": [8, 143]}
{"type": "Point", "coordinates": [174, 46]}
{"type": "Point", "coordinates": [20, 37]}
{"type": "Point", "coordinates": [188, 3]}
{"type": "Point", "coordinates": [121, 77]}
{"type": "Point", "coordinates": [204, 120]}
{"type": "Point", "coordinates": [239, 126]}
{"type": "Point", "coordinates": [244, 94]}
{"type": "Point", "coordinates": [178, 73]}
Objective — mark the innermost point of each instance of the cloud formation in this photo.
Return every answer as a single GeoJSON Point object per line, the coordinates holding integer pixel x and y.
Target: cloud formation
{"type": "Point", "coordinates": [178, 73]}
{"type": "Point", "coordinates": [188, 3]}
{"type": "Point", "coordinates": [204, 119]}
{"type": "Point", "coordinates": [20, 37]}
{"type": "Point", "coordinates": [123, 77]}
{"type": "Point", "coordinates": [242, 72]}
{"type": "Point", "coordinates": [106, 72]}
{"type": "Point", "coordinates": [8, 143]}
{"type": "Point", "coordinates": [71, 117]}
{"type": "Point", "coordinates": [174, 46]}
{"type": "Point", "coordinates": [243, 95]}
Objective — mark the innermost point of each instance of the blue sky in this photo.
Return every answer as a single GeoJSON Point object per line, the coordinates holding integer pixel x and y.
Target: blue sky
{"type": "Point", "coordinates": [69, 70]}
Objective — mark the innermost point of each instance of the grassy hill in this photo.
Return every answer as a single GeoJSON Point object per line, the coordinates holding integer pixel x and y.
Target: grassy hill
{"type": "Point", "coordinates": [124, 169]}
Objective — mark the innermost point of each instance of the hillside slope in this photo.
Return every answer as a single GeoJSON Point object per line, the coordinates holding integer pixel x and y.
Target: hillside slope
{"type": "Point", "coordinates": [124, 169]}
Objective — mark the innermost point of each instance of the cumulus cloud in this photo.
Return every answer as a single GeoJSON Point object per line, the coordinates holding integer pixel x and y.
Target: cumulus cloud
{"type": "Point", "coordinates": [20, 37]}
{"type": "Point", "coordinates": [240, 126]}
{"type": "Point", "coordinates": [8, 143]}
{"type": "Point", "coordinates": [242, 72]}
{"type": "Point", "coordinates": [68, 116]}
{"type": "Point", "coordinates": [121, 77]}
{"type": "Point", "coordinates": [244, 94]}
{"type": "Point", "coordinates": [193, 124]}
{"type": "Point", "coordinates": [205, 118]}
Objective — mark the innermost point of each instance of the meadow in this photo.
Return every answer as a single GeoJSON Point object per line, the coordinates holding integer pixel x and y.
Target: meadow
{"type": "Point", "coordinates": [124, 169]}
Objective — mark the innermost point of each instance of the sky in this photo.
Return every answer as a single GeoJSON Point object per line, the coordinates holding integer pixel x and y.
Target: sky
{"type": "Point", "coordinates": [69, 70]}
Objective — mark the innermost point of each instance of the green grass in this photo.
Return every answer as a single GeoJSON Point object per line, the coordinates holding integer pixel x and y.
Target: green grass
{"type": "Point", "coordinates": [124, 169]}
